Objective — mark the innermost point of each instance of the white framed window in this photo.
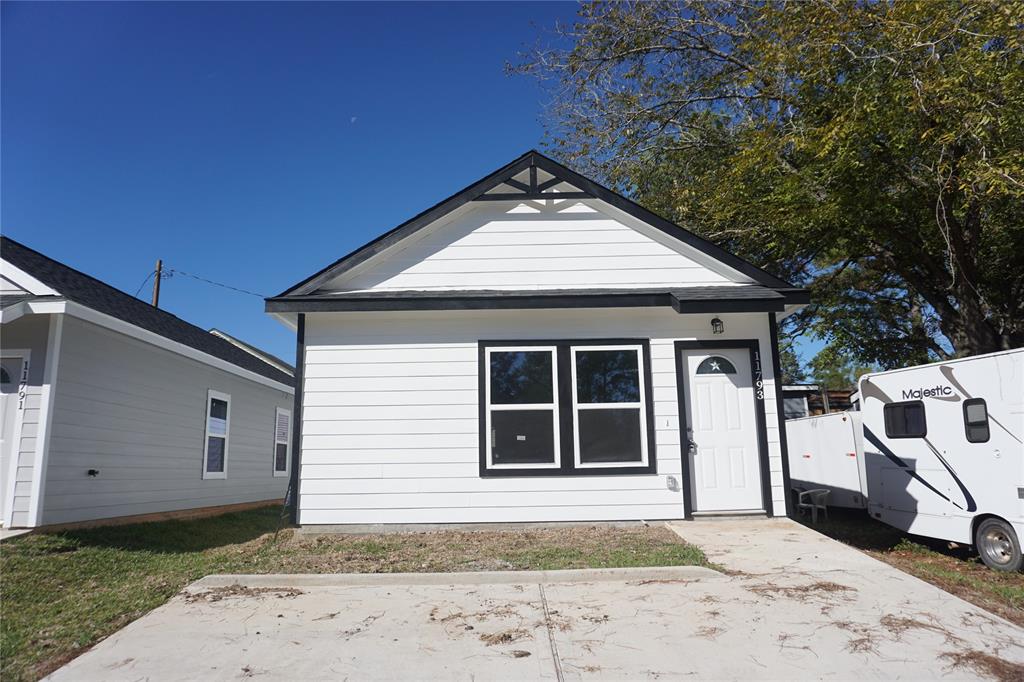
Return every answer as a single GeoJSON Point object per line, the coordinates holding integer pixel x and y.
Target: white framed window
{"type": "Point", "coordinates": [521, 407]}
{"type": "Point", "coordinates": [609, 406]}
{"type": "Point", "coordinates": [282, 447]}
{"type": "Point", "coordinates": [218, 430]}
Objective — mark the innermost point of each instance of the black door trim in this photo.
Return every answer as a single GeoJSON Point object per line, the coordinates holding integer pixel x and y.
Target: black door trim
{"type": "Point", "coordinates": [756, 372]}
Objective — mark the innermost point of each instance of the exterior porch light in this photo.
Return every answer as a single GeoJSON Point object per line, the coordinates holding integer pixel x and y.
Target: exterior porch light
{"type": "Point", "coordinates": [717, 326]}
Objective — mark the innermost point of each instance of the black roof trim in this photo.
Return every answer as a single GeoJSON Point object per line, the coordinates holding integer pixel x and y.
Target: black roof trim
{"type": "Point", "coordinates": [92, 293]}
{"type": "Point", "coordinates": [714, 299]}
{"type": "Point", "coordinates": [532, 158]}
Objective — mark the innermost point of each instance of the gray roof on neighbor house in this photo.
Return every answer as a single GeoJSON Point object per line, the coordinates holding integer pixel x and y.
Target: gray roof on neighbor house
{"type": "Point", "coordinates": [90, 292]}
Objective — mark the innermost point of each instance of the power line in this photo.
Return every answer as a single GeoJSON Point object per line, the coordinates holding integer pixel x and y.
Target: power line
{"type": "Point", "coordinates": [171, 271]}
{"type": "Point", "coordinates": [144, 283]}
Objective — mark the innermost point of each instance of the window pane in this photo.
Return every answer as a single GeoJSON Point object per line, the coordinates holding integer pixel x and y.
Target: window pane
{"type": "Point", "coordinates": [215, 454]}
{"type": "Point", "coordinates": [607, 376]}
{"type": "Point", "coordinates": [716, 365]}
{"type": "Point", "coordinates": [521, 377]}
{"type": "Point", "coordinates": [217, 427]}
{"type": "Point", "coordinates": [610, 435]}
{"type": "Point", "coordinates": [975, 412]}
{"type": "Point", "coordinates": [905, 420]}
{"type": "Point", "coordinates": [976, 420]}
{"type": "Point", "coordinates": [794, 408]}
{"type": "Point", "coordinates": [522, 437]}
{"type": "Point", "coordinates": [218, 408]}
{"type": "Point", "coordinates": [281, 457]}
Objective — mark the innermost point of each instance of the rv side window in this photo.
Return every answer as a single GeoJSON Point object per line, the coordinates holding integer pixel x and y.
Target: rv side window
{"type": "Point", "coordinates": [976, 420]}
{"type": "Point", "coordinates": [905, 420]}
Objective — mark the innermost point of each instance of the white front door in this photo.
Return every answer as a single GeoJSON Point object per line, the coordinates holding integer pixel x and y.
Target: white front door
{"type": "Point", "coordinates": [10, 377]}
{"type": "Point", "coordinates": [721, 422]}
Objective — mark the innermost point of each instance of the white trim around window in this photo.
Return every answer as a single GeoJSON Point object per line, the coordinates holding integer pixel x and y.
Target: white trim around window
{"type": "Point", "coordinates": [507, 407]}
{"type": "Point", "coordinates": [640, 406]}
{"type": "Point", "coordinates": [282, 437]}
{"type": "Point", "coordinates": [217, 429]}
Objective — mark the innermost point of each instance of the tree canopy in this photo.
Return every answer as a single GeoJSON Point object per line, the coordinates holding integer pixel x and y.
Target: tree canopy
{"type": "Point", "coordinates": [873, 152]}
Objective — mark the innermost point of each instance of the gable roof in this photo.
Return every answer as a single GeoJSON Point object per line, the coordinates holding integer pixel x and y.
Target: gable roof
{"type": "Point", "coordinates": [90, 292]}
{"type": "Point", "coordinates": [482, 190]}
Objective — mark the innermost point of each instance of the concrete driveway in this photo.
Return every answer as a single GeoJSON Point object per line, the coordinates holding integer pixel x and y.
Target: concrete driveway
{"type": "Point", "coordinates": [794, 605]}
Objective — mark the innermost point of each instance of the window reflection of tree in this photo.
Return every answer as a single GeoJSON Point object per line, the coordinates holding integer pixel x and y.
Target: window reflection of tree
{"type": "Point", "coordinates": [520, 377]}
{"type": "Point", "coordinates": [607, 376]}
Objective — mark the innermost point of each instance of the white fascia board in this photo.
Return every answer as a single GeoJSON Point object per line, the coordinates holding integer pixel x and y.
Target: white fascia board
{"type": "Point", "coordinates": [11, 313]}
{"type": "Point", "coordinates": [289, 320]}
{"type": "Point", "coordinates": [790, 309]}
{"type": "Point", "coordinates": [25, 280]}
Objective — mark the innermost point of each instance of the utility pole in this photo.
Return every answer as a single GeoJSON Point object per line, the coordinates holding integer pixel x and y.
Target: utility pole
{"type": "Point", "coordinates": [156, 283]}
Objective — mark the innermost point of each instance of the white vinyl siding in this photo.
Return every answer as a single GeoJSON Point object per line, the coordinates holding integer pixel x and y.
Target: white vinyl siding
{"type": "Point", "coordinates": [504, 246]}
{"type": "Point", "coordinates": [390, 420]}
{"type": "Point", "coordinates": [30, 333]}
{"type": "Point", "coordinates": [137, 413]}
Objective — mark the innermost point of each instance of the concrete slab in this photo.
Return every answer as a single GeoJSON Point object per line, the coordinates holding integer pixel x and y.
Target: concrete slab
{"type": "Point", "coordinates": [795, 605]}
{"type": "Point", "coordinates": [8, 533]}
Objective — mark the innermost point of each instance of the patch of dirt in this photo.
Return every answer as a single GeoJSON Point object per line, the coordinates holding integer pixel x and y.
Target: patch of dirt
{"type": "Point", "coordinates": [519, 653]}
{"type": "Point", "coordinates": [799, 592]}
{"type": "Point", "coordinates": [505, 636]}
{"type": "Point", "coordinates": [215, 594]}
{"type": "Point", "coordinates": [864, 637]}
{"type": "Point", "coordinates": [477, 550]}
{"type": "Point", "coordinates": [708, 632]}
{"type": "Point", "coordinates": [986, 664]}
{"type": "Point", "coordinates": [897, 625]}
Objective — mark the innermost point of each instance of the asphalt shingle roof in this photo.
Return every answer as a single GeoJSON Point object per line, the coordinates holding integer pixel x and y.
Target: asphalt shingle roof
{"type": "Point", "coordinates": [88, 291]}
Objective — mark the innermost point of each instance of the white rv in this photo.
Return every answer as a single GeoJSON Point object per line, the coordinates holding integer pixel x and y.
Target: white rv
{"type": "Point", "coordinates": [827, 452]}
{"type": "Point", "coordinates": [944, 452]}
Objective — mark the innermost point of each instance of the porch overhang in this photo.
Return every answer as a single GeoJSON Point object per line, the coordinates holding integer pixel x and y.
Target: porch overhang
{"type": "Point", "coordinates": [711, 299]}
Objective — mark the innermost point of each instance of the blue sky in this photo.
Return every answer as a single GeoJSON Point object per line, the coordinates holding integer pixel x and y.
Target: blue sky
{"type": "Point", "coordinates": [249, 143]}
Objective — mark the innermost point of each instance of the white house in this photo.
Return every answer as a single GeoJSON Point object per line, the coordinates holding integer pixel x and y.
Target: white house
{"type": "Point", "coordinates": [537, 347]}
{"type": "Point", "coordinates": [114, 408]}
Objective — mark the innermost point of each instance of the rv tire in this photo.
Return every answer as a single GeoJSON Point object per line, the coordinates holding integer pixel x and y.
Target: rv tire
{"type": "Point", "coordinates": [997, 545]}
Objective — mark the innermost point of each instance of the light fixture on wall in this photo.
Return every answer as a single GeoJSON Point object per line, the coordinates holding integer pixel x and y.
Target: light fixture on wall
{"type": "Point", "coordinates": [717, 326]}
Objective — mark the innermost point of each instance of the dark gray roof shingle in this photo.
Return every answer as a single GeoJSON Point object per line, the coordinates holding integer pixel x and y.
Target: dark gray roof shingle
{"type": "Point", "coordinates": [92, 293]}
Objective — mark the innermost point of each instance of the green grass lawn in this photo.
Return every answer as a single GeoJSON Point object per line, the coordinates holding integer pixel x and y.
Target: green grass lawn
{"type": "Point", "coordinates": [955, 569]}
{"type": "Point", "coordinates": [63, 592]}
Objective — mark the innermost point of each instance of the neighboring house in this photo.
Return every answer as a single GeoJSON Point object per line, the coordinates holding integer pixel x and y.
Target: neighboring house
{"type": "Point", "coordinates": [796, 400]}
{"type": "Point", "coordinates": [809, 400]}
{"type": "Point", "coordinates": [114, 408]}
{"type": "Point", "coordinates": [537, 348]}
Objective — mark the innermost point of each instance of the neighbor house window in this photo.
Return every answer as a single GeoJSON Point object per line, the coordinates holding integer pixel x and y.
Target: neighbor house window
{"type": "Point", "coordinates": [976, 420]}
{"type": "Point", "coordinates": [522, 408]}
{"type": "Point", "coordinates": [609, 423]}
{"type": "Point", "coordinates": [282, 429]}
{"type": "Point", "coordinates": [905, 420]}
{"type": "Point", "coordinates": [215, 452]}
{"type": "Point", "coordinates": [565, 408]}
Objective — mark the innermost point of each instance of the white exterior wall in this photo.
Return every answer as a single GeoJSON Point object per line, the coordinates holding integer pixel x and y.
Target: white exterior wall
{"type": "Point", "coordinates": [506, 246]}
{"type": "Point", "coordinates": [28, 333]}
{"type": "Point", "coordinates": [137, 413]}
{"type": "Point", "coordinates": [390, 426]}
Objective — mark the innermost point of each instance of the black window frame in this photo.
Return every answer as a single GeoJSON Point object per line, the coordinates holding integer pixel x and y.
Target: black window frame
{"type": "Point", "coordinates": [565, 412]}
{"type": "Point", "coordinates": [968, 424]}
{"type": "Point", "coordinates": [905, 403]}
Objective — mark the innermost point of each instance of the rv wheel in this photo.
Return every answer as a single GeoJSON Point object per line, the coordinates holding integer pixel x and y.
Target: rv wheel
{"type": "Point", "coordinates": [997, 545]}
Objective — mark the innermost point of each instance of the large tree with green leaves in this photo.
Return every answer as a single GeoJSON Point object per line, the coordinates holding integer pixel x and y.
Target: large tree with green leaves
{"type": "Point", "coordinates": [873, 151]}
